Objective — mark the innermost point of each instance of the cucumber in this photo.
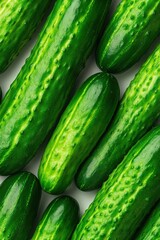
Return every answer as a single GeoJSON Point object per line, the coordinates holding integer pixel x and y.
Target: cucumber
{"type": "Point", "coordinates": [19, 201]}
{"type": "Point", "coordinates": [36, 98]}
{"type": "Point", "coordinates": [18, 21]}
{"type": "Point", "coordinates": [138, 110]}
{"type": "Point", "coordinates": [59, 220]}
{"type": "Point", "coordinates": [131, 31]}
{"type": "Point", "coordinates": [80, 127]}
{"type": "Point", "coordinates": [151, 229]}
{"type": "Point", "coordinates": [128, 195]}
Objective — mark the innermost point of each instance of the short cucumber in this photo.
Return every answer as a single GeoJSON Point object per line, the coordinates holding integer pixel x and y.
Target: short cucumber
{"type": "Point", "coordinates": [151, 229]}
{"type": "Point", "coordinates": [59, 220]}
{"type": "Point", "coordinates": [80, 127]}
{"type": "Point", "coordinates": [137, 112]}
{"type": "Point", "coordinates": [18, 21]}
{"type": "Point", "coordinates": [19, 201]}
{"type": "Point", "coordinates": [36, 98]}
{"type": "Point", "coordinates": [128, 195]}
{"type": "Point", "coordinates": [132, 29]}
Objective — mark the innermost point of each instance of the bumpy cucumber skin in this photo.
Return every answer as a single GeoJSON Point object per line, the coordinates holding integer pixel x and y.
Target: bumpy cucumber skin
{"type": "Point", "coordinates": [19, 201]}
{"type": "Point", "coordinates": [80, 127]}
{"type": "Point", "coordinates": [129, 34]}
{"type": "Point", "coordinates": [137, 112]}
{"type": "Point", "coordinates": [151, 229]}
{"type": "Point", "coordinates": [128, 195]}
{"type": "Point", "coordinates": [37, 96]}
{"type": "Point", "coordinates": [59, 220]}
{"type": "Point", "coordinates": [18, 21]}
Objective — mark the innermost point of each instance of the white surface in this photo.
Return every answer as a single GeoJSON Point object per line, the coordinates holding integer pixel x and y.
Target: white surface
{"type": "Point", "coordinates": [124, 79]}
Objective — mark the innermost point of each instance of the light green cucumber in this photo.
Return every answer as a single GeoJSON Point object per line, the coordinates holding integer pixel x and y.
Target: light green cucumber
{"type": "Point", "coordinates": [79, 129]}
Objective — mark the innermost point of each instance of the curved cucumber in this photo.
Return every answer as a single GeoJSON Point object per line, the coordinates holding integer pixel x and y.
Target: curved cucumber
{"type": "Point", "coordinates": [151, 229]}
{"type": "Point", "coordinates": [128, 195]}
{"type": "Point", "coordinates": [37, 96]}
{"type": "Point", "coordinates": [59, 220]}
{"type": "Point", "coordinates": [80, 127]}
{"type": "Point", "coordinates": [19, 201]}
{"type": "Point", "coordinates": [129, 34]}
{"type": "Point", "coordinates": [18, 21]}
{"type": "Point", "coordinates": [137, 112]}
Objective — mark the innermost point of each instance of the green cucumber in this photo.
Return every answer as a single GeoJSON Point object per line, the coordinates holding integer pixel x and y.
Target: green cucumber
{"type": "Point", "coordinates": [59, 220]}
{"type": "Point", "coordinates": [129, 34]}
{"type": "Point", "coordinates": [137, 112]}
{"type": "Point", "coordinates": [18, 21]}
{"type": "Point", "coordinates": [19, 201]}
{"type": "Point", "coordinates": [151, 229]}
{"type": "Point", "coordinates": [36, 98]}
{"type": "Point", "coordinates": [80, 127]}
{"type": "Point", "coordinates": [126, 198]}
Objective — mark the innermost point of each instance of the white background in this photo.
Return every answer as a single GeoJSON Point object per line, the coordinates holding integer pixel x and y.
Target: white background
{"type": "Point", "coordinates": [84, 198]}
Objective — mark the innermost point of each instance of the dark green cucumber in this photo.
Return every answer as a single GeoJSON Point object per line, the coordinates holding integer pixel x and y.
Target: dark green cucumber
{"type": "Point", "coordinates": [151, 229]}
{"type": "Point", "coordinates": [79, 129]}
{"type": "Point", "coordinates": [18, 20]}
{"type": "Point", "coordinates": [59, 220]}
{"type": "Point", "coordinates": [129, 34]}
{"type": "Point", "coordinates": [36, 98]}
{"type": "Point", "coordinates": [19, 201]}
{"type": "Point", "coordinates": [128, 195]}
{"type": "Point", "coordinates": [137, 112]}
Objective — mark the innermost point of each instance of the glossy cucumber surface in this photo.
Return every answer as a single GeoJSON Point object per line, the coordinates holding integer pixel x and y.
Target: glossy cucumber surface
{"type": "Point", "coordinates": [127, 196]}
{"type": "Point", "coordinates": [59, 220]}
{"type": "Point", "coordinates": [36, 98]}
{"type": "Point", "coordinates": [79, 129]}
{"type": "Point", "coordinates": [138, 110]}
{"type": "Point", "coordinates": [132, 29]}
{"type": "Point", "coordinates": [19, 201]}
{"type": "Point", "coordinates": [151, 229]}
{"type": "Point", "coordinates": [18, 20]}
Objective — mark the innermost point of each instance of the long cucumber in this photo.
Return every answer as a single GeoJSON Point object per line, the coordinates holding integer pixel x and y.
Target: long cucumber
{"type": "Point", "coordinates": [36, 98]}
{"type": "Point", "coordinates": [127, 196]}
